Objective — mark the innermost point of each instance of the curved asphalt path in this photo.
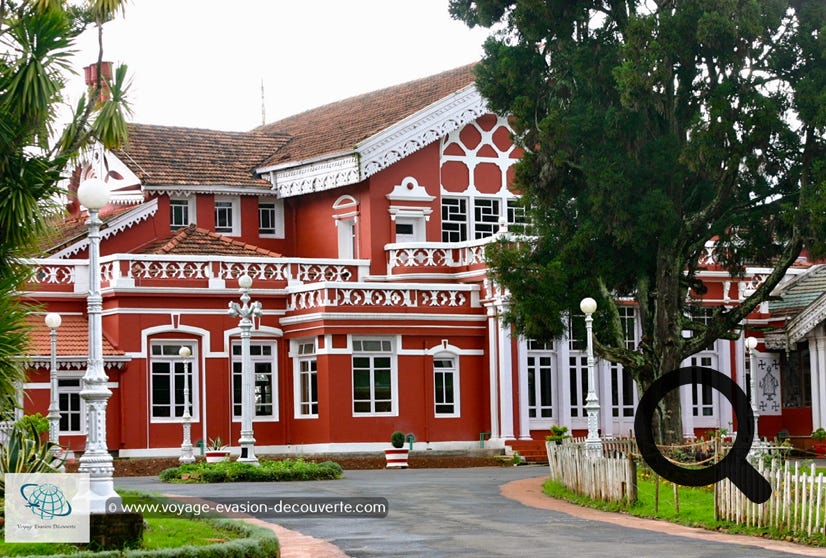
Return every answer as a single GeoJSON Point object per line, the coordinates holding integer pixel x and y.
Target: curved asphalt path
{"type": "Point", "coordinates": [462, 512]}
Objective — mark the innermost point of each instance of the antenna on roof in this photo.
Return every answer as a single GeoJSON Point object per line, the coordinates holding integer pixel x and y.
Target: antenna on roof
{"type": "Point", "coordinates": [263, 106]}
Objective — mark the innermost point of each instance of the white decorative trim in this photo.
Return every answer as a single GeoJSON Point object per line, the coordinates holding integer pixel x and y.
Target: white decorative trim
{"type": "Point", "coordinates": [217, 189]}
{"type": "Point", "coordinates": [421, 129]}
{"type": "Point", "coordinates": [76, 362]}
{"type": "Point", "coordinates": [389, 317]}
{"type": "Point", "coordinates": [807, 320]}
{"type": "Point", "coordinates": [307, 177]}
{"type": "Point", "coordinates": [381, 150]}
{"type": "Point", "coordinates": [122, 222]}
{"type": "Point", "coordinates": [410, 190]}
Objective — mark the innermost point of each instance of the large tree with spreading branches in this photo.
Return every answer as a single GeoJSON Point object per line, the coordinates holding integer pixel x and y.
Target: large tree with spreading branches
{"type": "Point", "coordinates": [651, 128]}
{"type": "Point", "coordinates": [36, 44]}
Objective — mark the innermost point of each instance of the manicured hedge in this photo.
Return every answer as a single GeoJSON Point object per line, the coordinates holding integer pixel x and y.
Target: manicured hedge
{"type": "Point", "coordinates": [266, 471]}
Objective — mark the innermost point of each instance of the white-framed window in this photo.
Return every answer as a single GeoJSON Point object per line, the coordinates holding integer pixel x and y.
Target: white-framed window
{"type": "Point", "coordinates": [516, 216]}
{"type": "Point", "coordinates": [703, 397]}
{"type": "Point", "coordinates": [486, 215]}
{"type": "Point", "coordinates": [271, 218]}
{"type": "Point", "coordinates": [477, 217]}
{"type": "Point", "coordinates": [628, 322]}
{"type": "Point", "coordinates": [306, 381]}
{"type": "Point", "coordinates": [410, 229]}
{"type": "Point", "coordinates": [262, 356]}
{"type": "Point", "coordinates": [578, 384]}
{"type": "Point", "coordinates": [227, 215]}
{"type": "Point", "coordinates": [454, 219]}
{"type": "Point", "coordinates": [181, 212]}
{"type": "Point", "coordinates": [540, 380]}
{"type": "Point", "coordinates": [446, 386]}
{"type": "Point", "coordinates": [375, 389]}
{"type": "Point", "coordinates": [171, 377]}
{"type": "Point", "coordinates": [72, 407]}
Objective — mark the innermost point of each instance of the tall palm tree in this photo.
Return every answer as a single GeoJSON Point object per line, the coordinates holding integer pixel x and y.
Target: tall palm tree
{"type": "Point", "coordinates": [36, 41]}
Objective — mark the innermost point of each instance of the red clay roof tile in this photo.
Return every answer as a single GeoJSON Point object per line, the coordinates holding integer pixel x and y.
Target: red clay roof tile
{"type": "Point", "coordinates": [174, 156]}
{"type": "Point", "coordinates": [72, 337]}
{"type": "Point", "coordinates": [340, 126]}
{"type": "Point", "coordinates": [193, 240]}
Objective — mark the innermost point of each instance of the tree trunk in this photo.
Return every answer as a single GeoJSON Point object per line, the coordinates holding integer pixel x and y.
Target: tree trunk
{"type": "Point", "coordinates": [667, 341]}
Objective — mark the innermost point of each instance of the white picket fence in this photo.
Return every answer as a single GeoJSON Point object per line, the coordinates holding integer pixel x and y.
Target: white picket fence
{"type": "Point", "coordinates": [611, 476]}
{"type": "Point", "coordinates": [797, 504]}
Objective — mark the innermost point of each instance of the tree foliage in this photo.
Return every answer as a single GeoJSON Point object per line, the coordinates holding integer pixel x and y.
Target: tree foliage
{"type": "Point", "coordinates": [650, 129]}
{"type": "Point", "coordinates": [36, 42]}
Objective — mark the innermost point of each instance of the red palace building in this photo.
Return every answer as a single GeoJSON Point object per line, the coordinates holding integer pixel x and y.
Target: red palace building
{"type": "Point", "coordinates": [363, 225]}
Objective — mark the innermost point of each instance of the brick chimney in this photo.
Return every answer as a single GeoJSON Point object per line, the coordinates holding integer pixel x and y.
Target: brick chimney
{"type": "Point", "coordinates": [72, 205]}
{"type": "Point", "coordinates": [90, 72]}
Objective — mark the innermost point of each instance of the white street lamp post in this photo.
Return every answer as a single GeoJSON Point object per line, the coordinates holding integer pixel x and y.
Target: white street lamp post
{"type": "Point", "coordinates": [751, 345]}
{"type": "Point", "coordinates": [96, 461]}
{"type": "Point", "coordinates": [246, 311]}
{"type": "Point", "coordinates": [186, 446]}
{"type": "Point", "coordinates": [593, 445]}
{"type": "Point", "coordinates": [53, 322]}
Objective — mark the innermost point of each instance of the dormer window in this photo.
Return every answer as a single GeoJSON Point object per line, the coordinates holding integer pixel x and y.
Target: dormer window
{"type": "Point", "coordinates": [270, 218]}
{"type": "Point", "coordinates": [181, 213]}
{"type": "Point", "coordinates": [227, 219]}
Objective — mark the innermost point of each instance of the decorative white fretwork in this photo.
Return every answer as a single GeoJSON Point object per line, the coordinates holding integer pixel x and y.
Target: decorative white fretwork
{"type": "Point", "coordinates": [382, 150]}
{"type": "Point", "coordinates": [407, 297]}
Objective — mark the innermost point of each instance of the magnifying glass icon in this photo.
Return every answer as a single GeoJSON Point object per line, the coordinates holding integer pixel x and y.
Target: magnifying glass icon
{"type": "Point", "coordinates": [734, 465]}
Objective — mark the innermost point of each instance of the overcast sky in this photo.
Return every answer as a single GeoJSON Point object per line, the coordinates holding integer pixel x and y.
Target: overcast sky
{"type": "Point", "coordinates": [200, 63]}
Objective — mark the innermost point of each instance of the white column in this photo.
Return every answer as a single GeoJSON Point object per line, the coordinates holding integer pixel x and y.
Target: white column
{"type": "Point", "coordinates": [505, 379]}
{"type": "Point", "coordinates": [817, 370]}
{"type": "Point", "coordinates": [522, 360]}
{"type": "Point", "coordinates": [493, 364]}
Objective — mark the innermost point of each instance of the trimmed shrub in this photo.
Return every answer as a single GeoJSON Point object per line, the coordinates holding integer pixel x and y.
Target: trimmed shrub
{"type": "Point", "coordinates": [266, 471]}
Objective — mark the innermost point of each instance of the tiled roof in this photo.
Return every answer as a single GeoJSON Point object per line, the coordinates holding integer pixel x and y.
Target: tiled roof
{"type": "Point", "coordinates": [192, 240]}
{"type": "Point", "coordinates": [342, 125]}
{"type": "Point", "coordinates": [174, 156]}
{"type": "Point", "coordinates": [66, 229]}
{"type": "Point", "coordinates": [799, 294]}
{"type": "Point", "coordinates": [72, 337]}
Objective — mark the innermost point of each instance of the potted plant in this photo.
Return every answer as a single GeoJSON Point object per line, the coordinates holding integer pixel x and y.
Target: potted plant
{"type": "Point", "coordinates": [819, 438]}
{"type": "Point", "coordinates": [216, 451]}
{"type": "Point", "coordinates": [558, 433]}
{"type": "Point", "coordinates": [396, 458]}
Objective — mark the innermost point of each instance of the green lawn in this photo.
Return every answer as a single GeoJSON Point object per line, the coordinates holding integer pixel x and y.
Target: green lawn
{"type": "Point", "coordinates": [696, 507]}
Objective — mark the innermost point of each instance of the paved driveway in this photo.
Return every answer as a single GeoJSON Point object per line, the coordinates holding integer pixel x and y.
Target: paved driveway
{"type": "Point", "coordinates": [459, 512]}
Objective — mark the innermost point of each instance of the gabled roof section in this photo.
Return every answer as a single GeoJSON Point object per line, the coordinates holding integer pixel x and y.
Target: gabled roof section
{"type": "Point", "coordinates": [801, 303]}
{"type": "Point", "coordinates": [192, 241]}
{"type": "Point", "coordinates": [167, 158]}
{"type": "Point", "coordinates": [69, 234]}
{"type": "Point", "coordinates": [345, 142]}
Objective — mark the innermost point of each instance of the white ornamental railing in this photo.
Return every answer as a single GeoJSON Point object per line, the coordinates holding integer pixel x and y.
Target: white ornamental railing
{"type": "Point", "coordinates": [412, 256]}
{"type": "Point", "coordinates": [378, 296]}
{"type": "Point", "coordinates": [133, 270]}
